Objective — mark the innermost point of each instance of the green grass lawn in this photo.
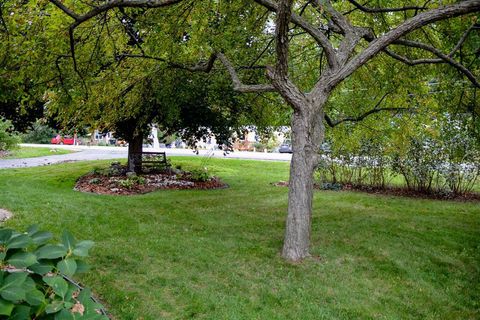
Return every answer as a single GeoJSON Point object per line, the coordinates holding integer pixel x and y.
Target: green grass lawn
{"type": "Point", "coordinates": [31, 152]}
{"type": "Point", "coordinates": [215, 254]}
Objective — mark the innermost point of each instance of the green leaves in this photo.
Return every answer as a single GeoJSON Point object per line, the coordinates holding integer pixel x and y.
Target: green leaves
{"type": "Point", "coordinates": [68, 240]}
{"type": "Point", "coordinates": [41, 237]}
{"type": "Point", "coordinates": [34, 297]}
{"type": "Point", "coordinates": [5, 235]}
{"type": "Point", "coordinates": [22, 259]}
{"type": "Point", "coordinates": [67, 267]}
{"type": "Point", "coordinates": [51, 251]}
{"type": "Point", "coordinates": [25, 295]}
{"type": "Point", "coordinates": [58, 284]}
{"type": "Point", "coordinates": [42, 267]}
{"type": "Point", "coordinates": [19, 241]}
{"type": "Point", "coordinates": [13, 294]}
{"type": "Point", "coordinates": [81, 249]}
{"type": "Point", "coordinates": [6, 307]}
{"type": "Point", "coordinates": [54, 306]}
{"type": "Point", "coordinates": [11, 288]}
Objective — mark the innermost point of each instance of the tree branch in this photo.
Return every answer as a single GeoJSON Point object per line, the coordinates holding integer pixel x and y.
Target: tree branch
{"type": "Point", "coordinates": [237, 84]}
{"type": "Point", "coordinates": [380, 10]}
{"type": "Point", "coordinates": [333, 123]}
{"type": "Point", "coordinates": [69, 12]}
{"type": "Point", "coordinates": [202, 66]}
{"type": "Point", "coordinates": [207, 66]}
{"type": "Point", "coordinates": [314, 32]}
{"type": "Point", "coordinates": [463, 38]}
{"type": "Point", "coordinates": [284, 13]}
{"type": "Point", "coordinates": [110, 4]}
{"type": "Point", "coordinates": [409, 25]}
{"type": "Point", "coordinates": [443, 57]}
{"type": "Point", "coordinates": [352, 35]}
{"type": "Point", "coordinates": [2, 20]}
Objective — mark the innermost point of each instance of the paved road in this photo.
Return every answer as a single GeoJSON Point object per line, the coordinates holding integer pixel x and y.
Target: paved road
{"type": "Point", "coordinates": [98, 153]}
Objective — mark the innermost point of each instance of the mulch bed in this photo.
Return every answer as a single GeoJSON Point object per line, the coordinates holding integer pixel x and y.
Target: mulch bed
{"type": "Point", "coordinates": [101, 184]}
{"type": "Point", "coordinates": [401, 192]}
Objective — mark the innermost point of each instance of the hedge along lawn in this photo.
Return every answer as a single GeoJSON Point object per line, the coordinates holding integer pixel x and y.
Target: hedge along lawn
{"type": "Point", "coordinates": [31, 152]}
{"type": "Point", "coordinates": [215, 254]}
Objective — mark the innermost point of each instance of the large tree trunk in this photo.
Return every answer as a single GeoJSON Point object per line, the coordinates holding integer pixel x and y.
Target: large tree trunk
{"type": "Point", "coordinates": [308, 133]}
{"type": "Point", "coordinates": [134, 159]}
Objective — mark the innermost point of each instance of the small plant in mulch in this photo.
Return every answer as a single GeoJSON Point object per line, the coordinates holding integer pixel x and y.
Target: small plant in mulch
{"type": "Point", "coordinates": [94, 181]}
{"type": "Point", "coordinates": [132, 181]}
{"type": "Point", "coordinates": [199, 175]}
{"type": "Point", "coordinates": [116, 180]}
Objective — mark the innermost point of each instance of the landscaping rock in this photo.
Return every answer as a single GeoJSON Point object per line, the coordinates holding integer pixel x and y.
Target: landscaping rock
{"type": "Point", "coordinates": [131, 174]}
{"type": "Point", "coordinates": [5, 215]}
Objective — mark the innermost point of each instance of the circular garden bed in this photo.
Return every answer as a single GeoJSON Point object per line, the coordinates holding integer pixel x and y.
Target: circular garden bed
{"type": "Point", "coordinates": [115, 180]}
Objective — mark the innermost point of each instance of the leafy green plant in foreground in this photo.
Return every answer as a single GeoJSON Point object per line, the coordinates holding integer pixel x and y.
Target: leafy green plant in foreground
{"type": "Point", "coordinates": [34, 277]}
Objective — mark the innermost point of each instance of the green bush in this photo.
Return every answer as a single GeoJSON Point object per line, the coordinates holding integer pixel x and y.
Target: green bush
{"type": "Point", "coordinates": [8, 140]}
{"type": "Point", "coordinates": [199, 175]}
{"type": "Point", "coordinates": [366, 163]}
{"type": "Point", "coordinates": [35, 277]}
{"type": "Point", "coordinates": [39, 133]}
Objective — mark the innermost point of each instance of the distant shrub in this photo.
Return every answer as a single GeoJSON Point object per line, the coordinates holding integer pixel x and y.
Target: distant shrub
{"type": "Point", "coordinates": [364, 165]}
{"type": "Point", "coordinates": [8, 139]}
{"type": "Point", "coordinates": [39, 133]}
{"type": "Point", "coordinates": [419, 165]}
{"type": "Point", "coordinates": [446, 164]}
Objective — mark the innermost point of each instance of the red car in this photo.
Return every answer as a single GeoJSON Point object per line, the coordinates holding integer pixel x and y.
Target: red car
{"type": "Point", "coordinates": [62, 140]}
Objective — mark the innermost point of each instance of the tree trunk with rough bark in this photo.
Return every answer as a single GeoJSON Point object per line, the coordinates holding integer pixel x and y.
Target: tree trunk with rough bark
{"type": "Point", "coordinates": [134, 159]}
{"type": "Point", "coordinates": [308, 133]}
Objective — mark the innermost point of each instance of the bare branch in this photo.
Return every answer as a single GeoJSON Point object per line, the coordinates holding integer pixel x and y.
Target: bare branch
{"type": "Point", "coordinates": [410, 62]}
{"type": "Point", "coordinates": [463, 38]}
{"type": "Point", "coordinates": [69, 12]}
{"type": "Point", "coordinates": [444, 57]}
{"type": "Point", "coordinates": [2, 20]}
{"type": "Point", "coordinates": [202, 66]}
{"type": "Point", "coordinates": [380, 10]}
{"type": "Point", "coordinates": [337, 17]}
{"type": "Point", "coordinates": [333, 123]}
{"type": "Point", "coordinates": [237, 84]}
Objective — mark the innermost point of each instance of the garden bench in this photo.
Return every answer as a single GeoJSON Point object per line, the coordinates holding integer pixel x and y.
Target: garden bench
{"type": "Point", "coordinates": [150, 160]}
